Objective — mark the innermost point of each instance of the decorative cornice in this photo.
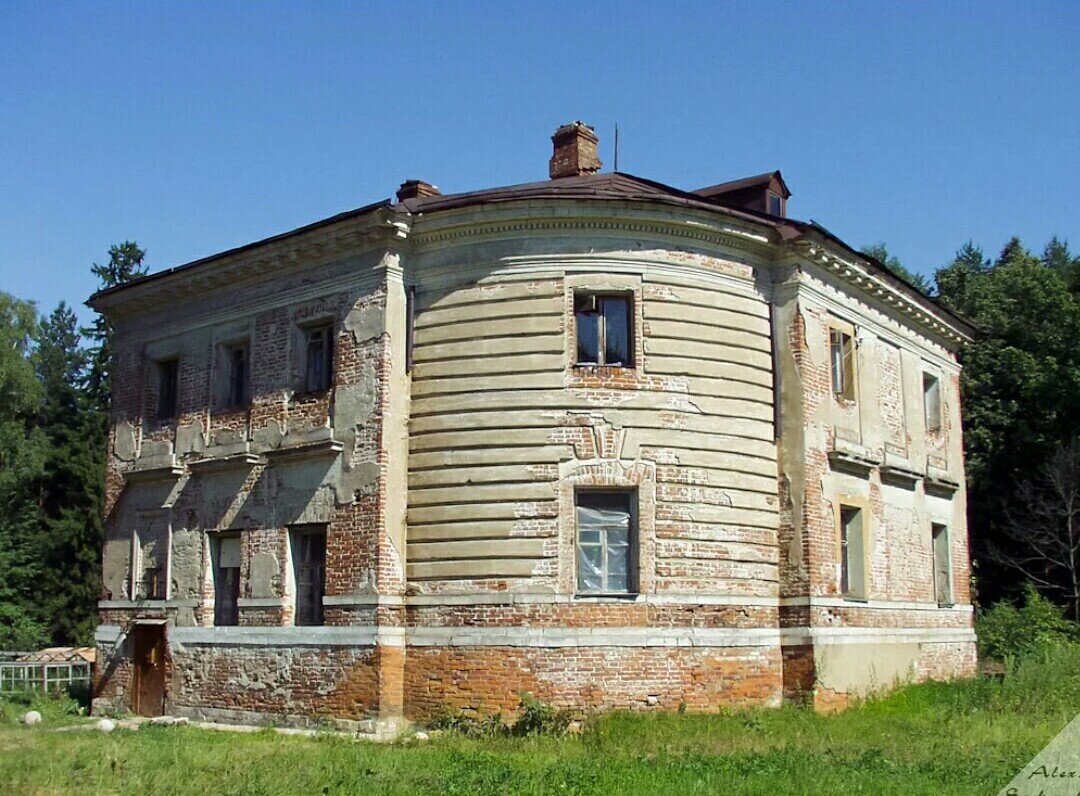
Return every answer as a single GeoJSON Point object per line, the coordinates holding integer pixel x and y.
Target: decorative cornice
{"type": "Point", "coordinates": [873, 286]}
{"type": "Point", "coordinates": [254, 263]}
{"type": "Point", "coordinates": [691, 229]}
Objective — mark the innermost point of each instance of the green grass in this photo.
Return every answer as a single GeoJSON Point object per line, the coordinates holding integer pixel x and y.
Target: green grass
{"type": "Point", "coordinates": [954, 738]}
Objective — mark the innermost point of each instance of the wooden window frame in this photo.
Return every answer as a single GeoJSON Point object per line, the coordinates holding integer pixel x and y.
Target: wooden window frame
{"type": "Point", "coordinates": [848, 391]}
{"type": "Point", "coordinates": [163, 413]}
{"type": "Point", "coordinates": [296, 535]}
{"type": "Point", "coordinates": [633, 580]}
{"type": "Point", "coordinates": [327, 328]}
{"type": "Point", "coordinates": [843, 507]}
{"type": "Point", "coordinates": [232, 400]}
{"type": "Point", "coordinates": [600, 296]}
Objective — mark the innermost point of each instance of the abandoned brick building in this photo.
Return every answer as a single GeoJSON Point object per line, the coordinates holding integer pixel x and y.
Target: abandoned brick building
{"type": "Point", "coordinates": [608, 442]}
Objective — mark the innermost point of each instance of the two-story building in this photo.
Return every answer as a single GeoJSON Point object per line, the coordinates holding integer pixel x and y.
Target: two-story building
{"type": "Point", "coordinates": [609, 442]}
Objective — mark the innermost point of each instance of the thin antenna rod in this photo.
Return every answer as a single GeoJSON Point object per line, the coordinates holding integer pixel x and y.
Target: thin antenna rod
{"type": "Point", "coordinates": [616, 146]}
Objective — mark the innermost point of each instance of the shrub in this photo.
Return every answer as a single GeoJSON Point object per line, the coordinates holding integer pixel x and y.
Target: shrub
{"type": "Point", "coordinates": [1010, 632]}
{"type": "Point", "coordinates": [538, 718]}
{"type": "Point", "coordinates": [460, 723]}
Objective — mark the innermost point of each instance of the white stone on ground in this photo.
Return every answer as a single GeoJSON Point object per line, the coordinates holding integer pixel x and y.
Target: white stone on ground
{"type": "Point", "coordinates": [106, 725]}
{"type": "Point", "coordinates": [31, 717]}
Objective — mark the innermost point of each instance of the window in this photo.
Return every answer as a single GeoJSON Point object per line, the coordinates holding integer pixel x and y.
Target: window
{"type": "Point", "coordinates": [606, 541]}
{"type": "Point", "coordinates": [942, 566]}
{"type": "Point", "coordinates": [842, 361]}
{"type": "Point", "coordinates": [239, 371]}
{"type": "Point", "coordinates": [318, 358]}
{"type": "Point", "coordinates": [604, 330]}
{"type": "Point", "coordinates": [931, 390]}
{"type": "Point", "coordinates": [167, 373]}
{"type": "Point", "coordinates": [226, 560]}
{"type": "Point", "coordinates": [309, 571]}
{"type": "Point", "coordinates": [852, 553]}
{"type": "Point", "coordinates": [776, 204]}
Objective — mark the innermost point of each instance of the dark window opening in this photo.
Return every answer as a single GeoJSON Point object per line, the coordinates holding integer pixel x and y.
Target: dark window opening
{"type": "Point", "coordinates": [239, 377]}
{"type": "Point", "coordinates": [152, 585]}
{"type": "Point", "coordinates": [309, 570]}
{"type": "Point", "coordinates": [604, 330]}
{"type": "Point", "coordinates": [852, 553]}
{"type": "Point", "coordinates": [227, 580]}
{"type": "Point", "coordinates": [776, 205]}
{"type": "Point", "coordinates": [606, 543]}
{"type": "Point", "coordinates": [319, 357]}
{"type": "Point", "coordinates": [168, 373]}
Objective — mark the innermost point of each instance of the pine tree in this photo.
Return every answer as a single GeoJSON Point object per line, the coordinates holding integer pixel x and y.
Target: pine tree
{"type": "Point", "coordinates": [70, 503]}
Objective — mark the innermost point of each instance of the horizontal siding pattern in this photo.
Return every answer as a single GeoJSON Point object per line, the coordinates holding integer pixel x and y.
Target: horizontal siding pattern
{"type": "Point", "coordinates": [491, 393]}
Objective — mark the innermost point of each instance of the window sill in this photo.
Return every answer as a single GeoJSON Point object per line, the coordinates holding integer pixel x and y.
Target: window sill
{"type": "Point", "coordinates": [612, 597]}
{"type": "Point", "coordinates": [850, 598]}
{"type": "Point", "coordinates": [312, 395]}
{"type": "Point", "coordinates": [595, 366]}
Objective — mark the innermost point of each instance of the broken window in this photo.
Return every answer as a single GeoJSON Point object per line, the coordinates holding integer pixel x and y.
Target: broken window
{"type": "Point", "coordinates": [852, 553]}
{"type": "Point", "coordinates": [942, 565]}
{"type": "Point", "coordinates": [318, 358]}
{"type": "Point", "coordinates": [604, 329]}
{"type": "Point", "coordinates": [239, 377]}
{"type": "Point", "coordinates": [309, 571]}
{"type": "Point", "coordinates": [168, 375]}
{"type": "Point", "coordinates": [931, 388]}
{"type": "Point", "coordinates": [226, 560]}
{"type": "Point", "coordinates": [842, 361]}
{"type": "Point", "coordinates": [606, 540]}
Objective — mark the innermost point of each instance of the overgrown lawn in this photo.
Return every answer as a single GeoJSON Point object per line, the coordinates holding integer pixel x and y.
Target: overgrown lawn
{"type": "Point", "coordinates": [966, 737]}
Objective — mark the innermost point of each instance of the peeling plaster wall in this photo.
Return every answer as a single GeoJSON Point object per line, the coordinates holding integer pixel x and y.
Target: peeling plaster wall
{"type": "Point", "coordinates": [502, 416]}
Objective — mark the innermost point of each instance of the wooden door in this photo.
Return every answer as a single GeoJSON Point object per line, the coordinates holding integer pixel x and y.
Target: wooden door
{"type": "Point", "coordinates": [149, 660]}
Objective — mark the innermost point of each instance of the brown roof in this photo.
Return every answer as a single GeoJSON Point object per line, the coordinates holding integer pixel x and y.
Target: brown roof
{"type": "Point", "coordinates": [745, 182]}
{"type": "Point", "coordinates": [606, 186]}
{"type": "Point", "coordinates": [610, 185]}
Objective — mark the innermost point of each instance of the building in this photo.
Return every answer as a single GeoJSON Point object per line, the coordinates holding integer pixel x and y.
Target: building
{"type": "Point", "coordinates": [595, 438]}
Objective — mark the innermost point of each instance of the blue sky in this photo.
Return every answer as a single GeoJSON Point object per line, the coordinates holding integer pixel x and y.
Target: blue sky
{"type": "Point", "coordinates": [194, 127]}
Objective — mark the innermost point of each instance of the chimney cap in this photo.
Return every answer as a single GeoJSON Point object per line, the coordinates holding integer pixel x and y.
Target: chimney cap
{"type": "Point", "coordinates": [416, 189]}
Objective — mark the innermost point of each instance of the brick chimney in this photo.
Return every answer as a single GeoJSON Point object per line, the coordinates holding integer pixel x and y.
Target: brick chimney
{"type": "Point", "coordinates": [575, 151]}
{"type": "Point", "coordinates": [416, 189]}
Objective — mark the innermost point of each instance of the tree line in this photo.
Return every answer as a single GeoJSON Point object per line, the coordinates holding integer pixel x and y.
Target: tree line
{"type": "Point", "coordinates": [54, 427]}
{"type": "Point", "coordinates": [1020, 393]}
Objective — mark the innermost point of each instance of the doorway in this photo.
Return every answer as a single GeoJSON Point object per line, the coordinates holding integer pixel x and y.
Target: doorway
{"type": "Point", "coordinates": [149, 660]}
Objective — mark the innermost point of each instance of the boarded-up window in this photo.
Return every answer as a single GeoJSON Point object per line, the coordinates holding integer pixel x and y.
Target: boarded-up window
{"type": "Point", "coordinates": [942, 564]}
{"type": "Point", "coordinates": [606, 541]}
{"type": "Point", "coordinates": [168, 379]}
{"type": "Point", "coordinates": [604, 329]}
{"type": "Point", "coordinates": [318, 357]}
{"type": "Point", "coordinates": [852, 553]}
{"type": "Point", "coordinates": [226, 560]}
{"type": "Point", "coordinates": [309, 571]}
{"type": "Point", "coordinates": [931, 387]}
{"type": "Point", "coordinates": [151, 543]}
{"type": "Point", "coordinates": [842, 364]}
{"type": "Point", "coordinates": [239, 381]}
